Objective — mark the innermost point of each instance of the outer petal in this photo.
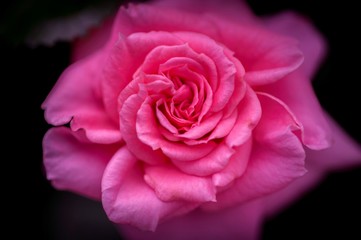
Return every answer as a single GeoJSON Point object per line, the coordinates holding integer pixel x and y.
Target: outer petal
{"type": "Point", "coordinates": [276, 160]}
{"type": "Point", "coordinates": [214, 162]}
{"type": "Point", "coordinates": [312, 44]}
{"type": "Point", "coordinates": [296, 91]}
{"type": "Point", "coordinates": [74, 163]}
{"type": "Point", "coordinates": [343, 154]}
{"type": "Point", "coordinates": [171, 184]}
{"type": "Point", "coordinates": [243, 222]}
{"type": "Point", "coordinates": [74, 99]}
{"type": "Point", "coordinates": [266, 61]}
{"type": "Point", "coordinates": [127, 199]}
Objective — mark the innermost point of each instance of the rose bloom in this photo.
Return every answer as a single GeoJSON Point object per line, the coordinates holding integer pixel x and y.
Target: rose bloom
{"type": "Point", "coordinates": [192, 119]}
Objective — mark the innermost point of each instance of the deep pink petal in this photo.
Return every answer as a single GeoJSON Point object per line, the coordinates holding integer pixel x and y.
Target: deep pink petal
{"type": "Point", "coordinates": [147, 133]}
{"type": "Point", "coordinates": [296, 91]}
{"type": "Point", "coordinates": [236, 166]}
{"type": "Point", "coordinates": [75, 99]}
{"type": "Point", "coordinates": [128, 121]}
{"type": "Point", "coordinates": [214, 162]}
{"type": "Point", "coordinates": [242, 222]}
{"type": "Point", "coordinates": [204, 127]}
{"type": "Point", "coordinates": [276, 160]}
{"type": "Point", "coordinates": [171, 184]}
{"type": "Point", "coordinates": [312, 44]}
{"type": "Point", "coordinates": [265, 60]}
{"type": "Point", "coordinates": [118, 72]}
{"type": "Point", "coordinates": [127, 199]}
{"type": "Point", "coordinates": [226, 68]}
{"type": "Point", "coordinates": [266, 56]}
{"type": "Point", "coordinates": [343, 154]}
{"type": "Point", "coordinates": [74, 163]}
{"type": "Point", "coordinates": [249, 113]}
{"type": "Point", "coordinates": [224, 126]}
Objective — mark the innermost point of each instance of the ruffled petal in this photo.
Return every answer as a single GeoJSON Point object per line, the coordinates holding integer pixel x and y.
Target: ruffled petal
{"type": "Point", "coordinates": [75, 99]}
{"type": "Point", "coordinates": [127, 198]}
{"type": "Point", "coordinates": [296, 92]}
{"type": "Point", "coordinates": [249, 114]}
{"type": "Point", "coordinates": [266, 61]}
{"type": "Point", "coordinates": [214, 162]}
{"type": "Point", "coordinates": [74, 163]}
{"type": "Point", "coordinates": [119, 73]}
{"type": "Point", "coordinates": [312, 44]}
{"type": "Point", "coordinates": [236, 166]}
{"type": "Point", "coordinates": [171, 184]}
{"type": "Point", "coordinates": [343, 154]}
{"type": "Point", "coordinates": [128, 120]}
{"type": "Point", "coordinates": [276, 160]}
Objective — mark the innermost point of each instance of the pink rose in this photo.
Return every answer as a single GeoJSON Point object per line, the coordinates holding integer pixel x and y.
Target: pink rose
{"type": "Point", "coordinates": [185, 108]}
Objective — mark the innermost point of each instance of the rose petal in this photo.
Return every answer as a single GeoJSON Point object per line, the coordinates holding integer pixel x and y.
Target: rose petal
{"type": "Point", "coordinates": [265, 60]}
{"type": "Point", "coordinates": [171, 185]}
{"type": "Point", "coordinates": [119, 73]}
{"type": "Point", "coordinates": [148, 134]}
{"type": "Point", "coordinates": [249, 113]}
{"type": "Point", "coordinates": [225, 67]}
{"type": "Point", "coordinates": [204, 127]}
{"type": "Point", "coordinates": [224, 127]}
{"type": "Point", "coordinates": [214, 162]}
{"type": "Point", "coordinates": [236, 166]}
{"type": "Point", "coordinates": [128, 120]}
{"type": "Point", "coordinates": [74, 163]}
{"type": "Point", "coordinates": [74, 99]}
{"type": "Point", "coordinates": [343, 154]}
{"type": "Point", "coordinates": [312, 44]}
{"type": "Point", "coordinates": [127, 199]}
{"type": "Point", "coordinates": [276, 160]}
{"type": "Point", "coordinates": [305, 106]}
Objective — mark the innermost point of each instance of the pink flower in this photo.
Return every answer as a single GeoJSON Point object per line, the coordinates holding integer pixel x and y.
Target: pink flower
{"type": "Point", "coordinates": [205, 111]}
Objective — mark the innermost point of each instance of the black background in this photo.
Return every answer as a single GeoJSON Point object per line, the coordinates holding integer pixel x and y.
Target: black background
{"type": "Point", "coordinates": [35, 209]}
